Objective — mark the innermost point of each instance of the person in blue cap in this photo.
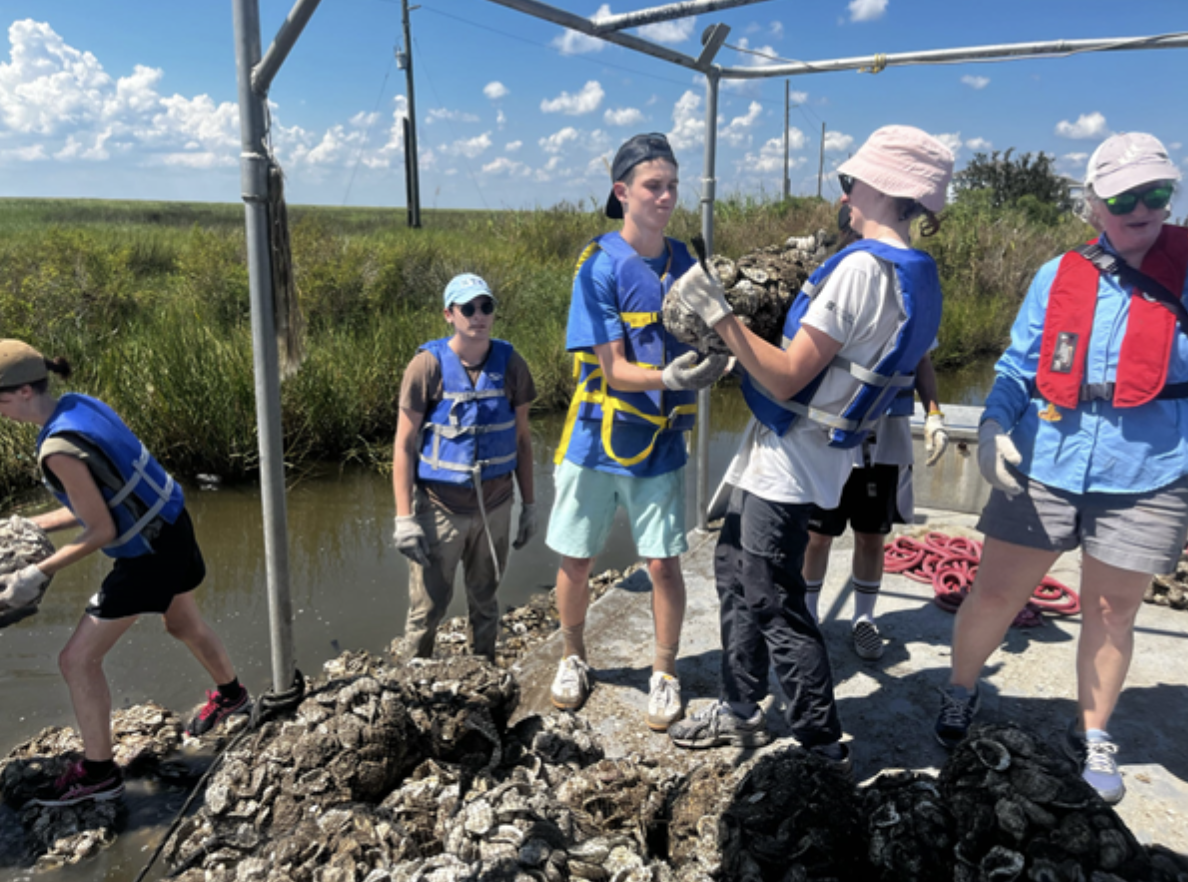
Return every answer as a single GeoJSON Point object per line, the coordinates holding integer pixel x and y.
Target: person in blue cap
{"type": "Point", "coordinates": [624, 438]}
{"type": "Point", "coordinates": [462, 443]}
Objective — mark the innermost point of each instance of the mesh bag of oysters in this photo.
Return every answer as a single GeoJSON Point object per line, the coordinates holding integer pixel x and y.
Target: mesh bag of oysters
{"type": "Point", "coordinates": [759, 288]}
{"type": "Point", "coordinates": [22, 543]}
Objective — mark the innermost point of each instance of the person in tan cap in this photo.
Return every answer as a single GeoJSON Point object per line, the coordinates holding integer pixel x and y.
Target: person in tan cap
{"type": "Point", "coordinates": [1084, 438]}
{"type": "Point", "coordinates": [852, 340]}
{"type": "Point", "coordinates": [132, 510]}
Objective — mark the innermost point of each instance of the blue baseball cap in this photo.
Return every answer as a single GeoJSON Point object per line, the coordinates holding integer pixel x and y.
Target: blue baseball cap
{"type": "Point", "coordinates": [464, 288]}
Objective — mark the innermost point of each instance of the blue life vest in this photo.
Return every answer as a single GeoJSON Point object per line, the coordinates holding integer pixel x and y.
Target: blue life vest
{"type": "Point", "coordinates": [471, 432]}
{"type": "Point", "coordinates": [640, 295]}
{"type": "Point", "coordinates": [147, 492]}
{"type": "Point", "coordinates": [884, 388]}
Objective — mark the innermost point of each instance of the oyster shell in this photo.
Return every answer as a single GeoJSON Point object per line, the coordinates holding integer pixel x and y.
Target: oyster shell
{"type": "Point", "coordinates": [22, 542]}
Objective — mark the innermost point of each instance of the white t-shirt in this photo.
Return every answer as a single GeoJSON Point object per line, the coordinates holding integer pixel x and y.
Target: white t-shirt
{"type": "Point", "coordinates": [860, 306]}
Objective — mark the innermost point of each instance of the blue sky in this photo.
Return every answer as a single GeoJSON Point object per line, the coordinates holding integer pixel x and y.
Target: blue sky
{"type": "Point", "coordinates": [136, 99]}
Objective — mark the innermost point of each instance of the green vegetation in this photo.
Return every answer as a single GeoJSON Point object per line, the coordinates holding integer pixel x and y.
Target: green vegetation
{"type": "Point", "coordinates": [149, 302]}
{"type": "Point", "coordinates": [1021, 178]}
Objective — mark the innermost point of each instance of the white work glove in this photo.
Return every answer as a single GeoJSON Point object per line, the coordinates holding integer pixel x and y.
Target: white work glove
{"type": "Point", "coordinates": [22, 587]}
{"type": "Point", "coordinates": [410, 539]}
{"type": "Point", "coordinates": [684, 373]}
{"type": "Point", "coordinates": [527, 528]}
{"type": "Point", "coordinates": [995, 450]}
{"type": "Point", "coordinates": [703, 294]}
{"type": "Point", "coordinates": [936, 437]}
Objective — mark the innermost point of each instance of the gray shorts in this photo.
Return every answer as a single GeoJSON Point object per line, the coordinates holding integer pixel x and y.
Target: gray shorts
{"type": "Point", "coordinates": [1143, 532]}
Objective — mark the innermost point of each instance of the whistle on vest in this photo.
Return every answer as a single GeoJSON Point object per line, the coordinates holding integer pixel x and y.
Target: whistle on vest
{"type": "Point", "coordinates": [1050, 414]}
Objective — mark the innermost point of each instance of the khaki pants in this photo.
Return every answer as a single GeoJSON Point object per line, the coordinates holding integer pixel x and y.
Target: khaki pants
{"type": "Point", "coordinates": [454, 539]}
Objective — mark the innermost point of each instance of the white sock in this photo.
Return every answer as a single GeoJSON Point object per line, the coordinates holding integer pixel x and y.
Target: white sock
{"type": "Point", "coordinates": [866, 595]}
{"type": "Point", "coordinates": [812, 594]}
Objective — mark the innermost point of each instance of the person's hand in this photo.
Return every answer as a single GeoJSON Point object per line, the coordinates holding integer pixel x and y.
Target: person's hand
{"type": "Point", "coordinates": [410, 539]}
{"type": "Point", "coordinates": [22, 587]}
{"type": "Point", "coordinates": [936, 437]}
{"type": "Point", "coordinates": [527, 528]}
{"type": "Point", "coordinates": [702, 293]}
{"type": "Point", "coordinates": [995, 450]}
{"type": "Point", "coordinates": [685, 373]}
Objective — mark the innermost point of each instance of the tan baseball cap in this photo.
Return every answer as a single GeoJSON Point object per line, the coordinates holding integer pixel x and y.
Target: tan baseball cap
{"type": "Point", "coordinates": [20, 363]}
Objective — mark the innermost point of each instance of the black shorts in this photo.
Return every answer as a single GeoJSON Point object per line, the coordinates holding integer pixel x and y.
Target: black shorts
{"type": "Point", "coordinates": [869, 503]}
{"type": "Point", "coordinates": [148, 584]}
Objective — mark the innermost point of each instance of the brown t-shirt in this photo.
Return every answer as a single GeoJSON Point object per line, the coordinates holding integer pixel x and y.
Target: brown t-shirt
{"type": "Point", "coordinates": [421, 391]}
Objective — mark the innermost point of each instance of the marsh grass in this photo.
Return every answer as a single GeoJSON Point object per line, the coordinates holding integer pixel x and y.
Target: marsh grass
{"type": "Point", "coordinates": [150, 303]}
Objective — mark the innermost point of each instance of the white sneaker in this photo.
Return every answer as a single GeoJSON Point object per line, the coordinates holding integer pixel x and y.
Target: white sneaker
{"type": "Point", "coordinates": [664, 702]}
{"type": "Point", "coordinates": [571, 686]}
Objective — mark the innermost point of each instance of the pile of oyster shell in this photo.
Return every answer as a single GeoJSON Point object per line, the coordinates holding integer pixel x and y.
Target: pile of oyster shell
{"type": "Point", "coordinates": [759, 287]}
{"type": "Point", "coordinates": [1170, 589]}
{"type": "Point", "coordinates": [22, 542]}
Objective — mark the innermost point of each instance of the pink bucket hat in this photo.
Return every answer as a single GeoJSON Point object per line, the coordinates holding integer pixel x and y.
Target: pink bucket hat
{"type": "Point", "coordinates": [1125, 161]}
{"type": "Point", "coordinates": [904, 161]}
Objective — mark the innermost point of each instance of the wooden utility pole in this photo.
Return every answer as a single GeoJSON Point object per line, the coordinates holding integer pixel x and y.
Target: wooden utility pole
{"type": "Point", "coordinates": [413, 174]}
{"type": "Point", "coordinates": [821, 162]}
{"type": "Point", "coordinates": [787, 99]}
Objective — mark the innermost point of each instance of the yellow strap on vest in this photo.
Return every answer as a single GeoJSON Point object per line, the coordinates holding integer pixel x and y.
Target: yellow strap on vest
{"type": "Point", "coordinates": [639, 319]}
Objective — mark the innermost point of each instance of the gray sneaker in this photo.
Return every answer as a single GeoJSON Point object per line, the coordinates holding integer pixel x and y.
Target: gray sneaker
{"type": "Point", "coordinates": [1093, 752]}
{"type": "Point", "coordinates": [571, 686]}
{"type": "Point", "coordinates": [717, 726]}
{"type": "Point", "coordinates": [868, 642]}
{"type": "Point", "coordinates": [664, 701]}
{"type": "Point", "coordinates": [958, 706]}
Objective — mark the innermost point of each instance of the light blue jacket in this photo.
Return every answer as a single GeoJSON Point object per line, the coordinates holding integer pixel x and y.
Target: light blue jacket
{"type": "Point", "coordinates": [1097, 448]}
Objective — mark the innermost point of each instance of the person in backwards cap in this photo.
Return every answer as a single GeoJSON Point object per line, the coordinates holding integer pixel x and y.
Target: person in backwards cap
{"type": "Point", "coordinates": [1084, 438]}
{"type": "Point", "coordinates": [132, 510]}
{"type": "Point", "coordinates": [461, 440]}
{"type": "Point", "coordinates": [623, 443]}
{"type": "Point", "coordinates": [852, 339]}
{"type": "Point", "coordinates": [877, 495]}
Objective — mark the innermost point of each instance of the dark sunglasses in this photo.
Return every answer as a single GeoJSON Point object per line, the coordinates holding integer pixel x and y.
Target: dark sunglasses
{"type": "Point", "coordinates": [1154, 198]}
{"type": "Point", "coordinates": [847, 183]}
{"type": "Point", "coordinates": [467, 309]}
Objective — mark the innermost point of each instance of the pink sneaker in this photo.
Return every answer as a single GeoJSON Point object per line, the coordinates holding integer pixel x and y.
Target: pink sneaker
{"type": "Point", "coordinates": [215, 711]}
{"type": "Point", "coordinates": [74, 787]}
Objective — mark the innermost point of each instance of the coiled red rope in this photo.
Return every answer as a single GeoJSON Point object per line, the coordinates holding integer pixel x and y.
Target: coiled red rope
{"type": "Point", "coordinates": [950, 563]}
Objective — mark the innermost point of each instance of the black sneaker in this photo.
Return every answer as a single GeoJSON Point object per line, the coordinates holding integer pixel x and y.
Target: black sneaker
{"type": "Point", "coordinates": [836, 754]}
{"type": "Point", "coordinates": [958, 706]}
{"type": "Point", "coordinates": [718, 726]}
{"type": "Point", "coordinates": [1093, 752]}
{"type": "Point", "coordinates": [215, 711]}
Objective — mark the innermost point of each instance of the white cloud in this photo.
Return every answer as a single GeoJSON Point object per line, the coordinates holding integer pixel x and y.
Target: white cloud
{"type": "Point", "coordinates": [952, 140]}
{"type": "Point", "coordinates": [495, 90]}
{"type": "Point", "coordinates": [576, 43]}
{"type": "Point", "coordinates": [767, 58]}
{"type": "Point", "coordinates": [556, 142]}
{"type": "Point", "coordinates": [504, 166]}
{"type": "Point", "coordinates": [867, 10]}
{"type": "Point", "coordinates": [838, 142]}
{"type": "Point", "coordinates": [737, 133]}
{"type": "Point", "coordinates": [513, 146]}
{"type": "Point", "coordinates": [672, 32]}
{"type": "Point", "coordinates": [976, 82]}
{"type": "Point", "coordinates": [1075, 158]}
{"type": "Point", "coordinates": [622, 116]}
{"type": "Point", "coordinates": [979, 144]}
{"type": "Point", "coordinates": [32, 153]}
{"type": "Point", "coordinates": [468, 147]}
{"type": "Point", "coordinates": [770, 158]}
{"type": "Point", "coordinates": [1174, 145]}
{"type": "Point", "coordinates": [501, 119]}
{"type": "Point", "coordinates": [777, 29]}
{"type": "Point", "coordinates": [585, 101]}
{"type": "Point", "coordinates": [442, 113]}
{"type": "Point", "coordinates": [1088, 125]}
{"type": "Point", "coordinates": [688, 128]}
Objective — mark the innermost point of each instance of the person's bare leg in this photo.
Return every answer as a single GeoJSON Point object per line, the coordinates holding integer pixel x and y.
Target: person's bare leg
{"type": "Point", "coordinates": [81, 663]}
{"type": "Point", "coordinates": [184, 622]}
{"type": "Point", "coordinates": [668, 610]}
{"type": "Point", "coordinates": [1007, 575]}
{"type": "Point", "coordinates": [573, 597]}
{"type": "Point", "coordinates": [816, 557]}
{"type": "Point", "coordinates": [868, 557]}
{"type": "Point", "coordinates": [1110, 601]}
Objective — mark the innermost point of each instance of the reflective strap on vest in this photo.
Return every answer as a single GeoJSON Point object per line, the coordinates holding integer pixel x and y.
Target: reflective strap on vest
{"type": "Point", "coordinates": [435, 460]}
{"type": "Point", "coordinates": [452, 432]}
{"type": "Point", "coordinates": [163, 496]}
{"type": "Point", "coordinates": [639, 319]}
{"type": "Point", "coordinates": [835, 421]}
{"type": "Point", "coordinates": [478, 395]}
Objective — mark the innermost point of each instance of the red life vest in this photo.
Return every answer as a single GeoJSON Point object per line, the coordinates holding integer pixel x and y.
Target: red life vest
{"type": "Point", "coordinates": [1150, 327]}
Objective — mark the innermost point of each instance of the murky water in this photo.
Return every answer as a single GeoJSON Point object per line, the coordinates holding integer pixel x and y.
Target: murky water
{"type": "Point", "coordinates": [348, 589]}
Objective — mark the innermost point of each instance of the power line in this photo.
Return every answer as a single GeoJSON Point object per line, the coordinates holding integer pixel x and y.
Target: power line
{"type": "Point", "coordinates": [367, 133]}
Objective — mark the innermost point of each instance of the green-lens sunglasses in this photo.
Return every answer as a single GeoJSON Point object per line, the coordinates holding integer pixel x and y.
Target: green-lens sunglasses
{"type": "Point", "coordinates": [1155, 198]}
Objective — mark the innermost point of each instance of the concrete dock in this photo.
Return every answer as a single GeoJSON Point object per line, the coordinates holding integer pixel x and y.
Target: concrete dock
{"type": "Point", "coordinates": [888, 707]}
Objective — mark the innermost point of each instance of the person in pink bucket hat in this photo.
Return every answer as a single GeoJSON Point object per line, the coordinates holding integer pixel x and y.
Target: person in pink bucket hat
{"type": "Point", "coordinates": [852, 339]}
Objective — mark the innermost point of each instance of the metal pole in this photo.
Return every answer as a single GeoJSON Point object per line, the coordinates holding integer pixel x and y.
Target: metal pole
{"type": "Point", "coordinates": [787, 100]}
{"type": "Point", "coordinates": [665, 13]}
{"type": "Point", "coordinates": [821, 162]}
{"type": "Point", "coordinates": [708, 187]}
{"type": "Point", "coordinates": [411, 156]}
{"type": "Point", "coordinates": [286, 37]}
{"type": "Point", "coordinates": [254, 182]}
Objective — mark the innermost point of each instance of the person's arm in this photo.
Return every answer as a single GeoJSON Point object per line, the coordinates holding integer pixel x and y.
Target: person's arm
{"type": "Point", "coordinates": [404, 459]}
{"type": "Point", "coordinates": [90, 510]}
{"type": "Point", "coordinates": [58, 519]}
{"type": "Point", "coordinates": [524, 456]}
{"type": "Point", "coordinates": [782, 372]}
{"type": "Point", "coordinates": [621, 374]}
{"type": "Point", "coordinates": [926, 385]}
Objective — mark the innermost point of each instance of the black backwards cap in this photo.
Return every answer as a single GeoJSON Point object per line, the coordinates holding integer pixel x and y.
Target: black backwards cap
{"type": "Point", "coordinates": [641, 148]}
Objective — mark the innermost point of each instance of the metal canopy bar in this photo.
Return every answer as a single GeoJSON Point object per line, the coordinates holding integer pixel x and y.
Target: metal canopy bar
{"type": "Point", "coordinates": [587, 27]}
{"type": "Point", "coordinates": [286, 37]}
{"type": "Point", "coordinates": [876, 63]}
{"type": "Point", "coordinates": [664, 13]}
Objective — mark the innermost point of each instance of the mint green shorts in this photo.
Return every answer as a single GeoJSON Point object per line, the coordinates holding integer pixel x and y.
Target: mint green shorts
{"type": "Point", "coordinates": [586, 501]}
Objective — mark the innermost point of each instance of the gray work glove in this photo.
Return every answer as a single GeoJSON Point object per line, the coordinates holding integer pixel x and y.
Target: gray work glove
{"type": "Point", "coordinates": [703, 294]}
{"type": "Point", "coordinates": [22, 587]}
{"type": "Point", "coordinates": [995, 450]}
{"type": "Point", "coordinates": [410, 539]}
{"type": "Point", "coordinates": [684, 373]}
{"type": "Point", "coordinates": [936, 437]}
{"type": "Point", "coordinates": [527, 528]}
